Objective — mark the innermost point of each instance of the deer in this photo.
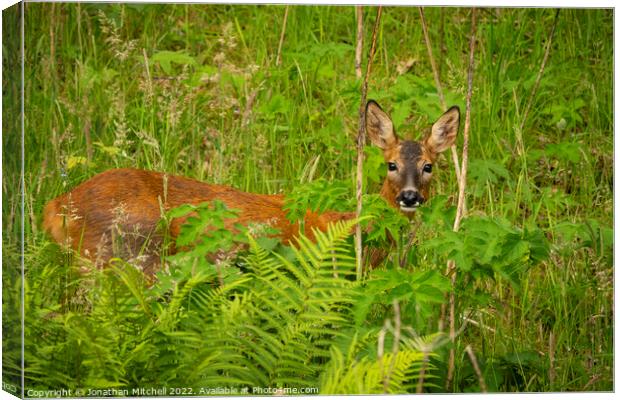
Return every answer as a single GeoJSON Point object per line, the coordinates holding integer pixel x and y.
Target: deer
{"type": "Point", "coordinates": [86, 218]}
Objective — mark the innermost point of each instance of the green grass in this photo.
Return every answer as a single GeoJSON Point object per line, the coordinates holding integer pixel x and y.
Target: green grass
{"type": "Point", "coordinates": [194, 90]}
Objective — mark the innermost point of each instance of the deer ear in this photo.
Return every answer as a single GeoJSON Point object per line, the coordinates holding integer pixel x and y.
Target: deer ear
{"type": "Point", "coordinates": [444, 131]}
{"type": "Point", "coordinates": [379, 126]}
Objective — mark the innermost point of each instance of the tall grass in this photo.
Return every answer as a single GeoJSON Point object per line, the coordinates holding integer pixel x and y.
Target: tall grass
{"type": "Point", "coordinates": [194, 90]}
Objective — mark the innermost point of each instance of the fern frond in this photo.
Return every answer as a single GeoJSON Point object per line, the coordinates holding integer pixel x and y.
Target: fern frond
{"type": "Point", "coordinates": [365, 376]}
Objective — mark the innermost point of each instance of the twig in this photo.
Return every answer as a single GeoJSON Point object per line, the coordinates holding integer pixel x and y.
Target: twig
{"type": "Point", "coordinates": [359, 12]}
{"type": "Point", "coordinates": [282, 36]}
{"type": "Point", "coordinates": [470, 78]}
{"type": "Point", "coordinates": [540, 71]}
{"type": "Point", "coordinates": [442, 100]}
{"type": "Point", "coordinates": [462, 184]}
{"type": "Point", "coordinates": [361, 139]}
{"type": "Point", "coordinates": [474, 363]}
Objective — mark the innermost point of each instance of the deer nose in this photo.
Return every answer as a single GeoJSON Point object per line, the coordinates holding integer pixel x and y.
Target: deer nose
{"type": "Point", "coordinates": [410, 198]}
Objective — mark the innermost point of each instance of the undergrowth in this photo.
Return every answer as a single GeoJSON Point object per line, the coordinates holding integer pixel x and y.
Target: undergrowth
{"type": "Point", "coordinates": [195, 90]}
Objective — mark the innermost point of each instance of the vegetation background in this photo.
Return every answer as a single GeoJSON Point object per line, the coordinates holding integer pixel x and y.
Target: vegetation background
{"type": "Point", "coordinates": [198, 90]}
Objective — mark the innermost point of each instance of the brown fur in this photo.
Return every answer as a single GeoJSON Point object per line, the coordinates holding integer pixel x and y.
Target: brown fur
{"type": "Point", "coordinates": [85, 219]}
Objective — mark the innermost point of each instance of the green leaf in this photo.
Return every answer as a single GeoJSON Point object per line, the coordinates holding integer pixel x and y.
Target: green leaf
{"type": "Point", "coordinates": [166, 58]}
{"type": "Point", "coordinates": [486, 171]}
{"type": "Point", "coordinates": [318, 196]}
{"type": "Point", "coordinates": [278, 104]}
{"type": "Point", "coordinates": [374, 164]}
{"type": "Point", "coordinates": [437, 212]}
{"type": "Point", "coordinates": [565, 151]}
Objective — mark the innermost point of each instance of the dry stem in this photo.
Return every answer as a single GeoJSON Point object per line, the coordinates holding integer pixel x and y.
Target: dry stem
{"type": "Point", "coordinates": [278, 58]}
{"type": "Point", "coordinates": [360, 40]}
{"type": "Point", "coordinates": [462, 184]}
{"type": "Point", "coordinates": [361, 139]}
{"type": "Point", "coordinates": [474, 363]}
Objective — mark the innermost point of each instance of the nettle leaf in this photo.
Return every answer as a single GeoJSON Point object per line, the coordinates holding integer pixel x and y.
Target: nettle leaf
{"type": "Point", "coordinates": [555, 199]}
{"type": "Point", "coordinates": [486, 171]}
{"type": "Point", "coordinates": [438, 212]}
{"type": "Point", "coordinates": [538, 243]}
{"type": "Point", "coordinates": [429, 286]}
{"type": "Point", "coordinates": [568, 112]}
{"type": "Point", "coordinates": [516, 250]}
{"type": "Point", "coordinates": [401, 292]}
{"type": "Point", "coordinates": [205, 229]}
{"type": "Point", "coordinates": [451, 245]}
{"type": "Point", "coordinates": [420, 288]}
{"type": "Point", "coordinates": [361, 307]}
{"type": "Point", "coordinates": [486, 236]}
{"type": "Point", "coordinates": [430, 278]}
{"type": "Point", "coordinates": [568, 230]}
{"type": "Point", "coordinates": [589, 233]}
{"type": "Point", "coordinates": [485, 246]}
{"type": "Point", "coordinates": [429, 294]}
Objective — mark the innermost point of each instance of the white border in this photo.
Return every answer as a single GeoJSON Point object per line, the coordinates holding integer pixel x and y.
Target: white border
{"type": "Point", "coordinates": [480, 3]}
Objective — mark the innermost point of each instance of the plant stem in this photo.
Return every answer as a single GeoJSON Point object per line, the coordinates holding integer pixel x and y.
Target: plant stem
{"type": "Point", "coordinates": [361, 139]}
{"type": "Point", "coordinates": [359, 13]}
{"type": "Point", "coordinates": [278, 58]}
{"type": "Point", "coordinates": [461, 200]}
{"type": "Point", "coordinates": [474, 363]}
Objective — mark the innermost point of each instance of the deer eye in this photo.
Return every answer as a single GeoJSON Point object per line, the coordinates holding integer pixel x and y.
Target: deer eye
{"type": "Point", "coordinates": [392, 166]}
{"type": "Point", "coordinates": [428, 168]}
